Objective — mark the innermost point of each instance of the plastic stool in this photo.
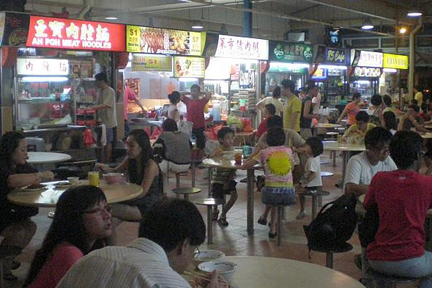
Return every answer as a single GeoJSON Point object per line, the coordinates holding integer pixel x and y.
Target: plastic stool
{"type": "Point", "coordinates": [314, 194]}
{"type": "Point", "coordinates": [378, 280]}
{"type": "Point", "coordinates": [210, 203]}
{"type": "Point", "coordinates": [330, 251]}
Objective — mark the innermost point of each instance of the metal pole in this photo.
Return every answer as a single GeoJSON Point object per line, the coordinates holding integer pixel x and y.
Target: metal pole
{"type": "Point", "coordinates": [412, 57]}
{"type": "Point", "coordinates": [247, 27]}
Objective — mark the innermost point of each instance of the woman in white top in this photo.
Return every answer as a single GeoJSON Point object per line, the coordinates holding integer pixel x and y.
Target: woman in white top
{"type": "Point", "coordinates": [173, 112]}
{"type": "Point", "coordinates": [272, 100]}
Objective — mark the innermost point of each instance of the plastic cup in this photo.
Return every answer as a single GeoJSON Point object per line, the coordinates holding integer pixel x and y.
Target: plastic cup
{"type": "Point", "coordinates": [93, 178]}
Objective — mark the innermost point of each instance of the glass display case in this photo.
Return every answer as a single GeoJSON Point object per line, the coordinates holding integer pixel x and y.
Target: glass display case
{"type": "Point", "coordinates": [48, 92]}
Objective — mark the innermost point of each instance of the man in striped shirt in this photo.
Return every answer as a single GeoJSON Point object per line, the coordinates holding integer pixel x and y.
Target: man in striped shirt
{"type": "Point", "coordinates": [168, 236]}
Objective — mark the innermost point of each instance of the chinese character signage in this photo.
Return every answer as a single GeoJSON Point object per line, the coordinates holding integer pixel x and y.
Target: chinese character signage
{"type": "Point", "coordinates": [189, 67]}
{"type": "Point", "coordinates": [164, 41]}
{"type": "Point", "coordinates": [151, 63]}
{"type": "Point", "coordinates": [395, 61]}
{"type": "Point", "coordinates": [367, 72]}
{"type": "Point", "coordinates": [13, 29]}
{"type": "Point", "coordinates": [334, 56]}
{"type": "Point", "coordinates": [42, 67]}
{"type": "Point", "coordinates": [368, 59]}
{"type": "Point", "coordinates": [243, 48]}
{"type": "Point", "coordinates": [290, 52]}
{"type": "Point", "coordinates": [75, 34]}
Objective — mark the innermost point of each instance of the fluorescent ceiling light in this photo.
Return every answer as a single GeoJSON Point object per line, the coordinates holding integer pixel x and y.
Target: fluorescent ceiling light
{"type": "Point", "coordinates": [402, 30]}
{"type": "Point", "coordinates": [44, 79]}
{"type": "Point", "coordinates": [367, 25]}
{"type": "Point", "coordinates": [197, 25]}
{"type": "Point", "coordinates": [188, 79]}
{"type": "Point", "coordinates": [290, 65]}
{"type": "Point", "coordinates": [390, 70]}
{"type": "Point", "coordinates": [414, 12]}
{"type": "Point", "coordinates": [336, 67]}
{"type": "Point", "coordinates": [111, 18]}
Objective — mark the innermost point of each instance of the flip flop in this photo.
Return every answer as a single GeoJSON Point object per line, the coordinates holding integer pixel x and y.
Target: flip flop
{"type": "Point", "coordinates": [9, 276]}
{"type": "Point", "coordinates": [223, 222]}
{"type": "Point", "coordinates": [262, 221]}
{"type": "Point", "coordinates": [15, 264]}
{"type": "Point", "coordinates": [215, 215]}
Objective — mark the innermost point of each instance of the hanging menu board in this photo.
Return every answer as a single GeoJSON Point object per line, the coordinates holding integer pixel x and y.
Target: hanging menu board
{"type": "Point", "coordinates": [151, 63]}
{"type": "Point", "coordinates": [164, 41]}
{"type": "Point", "coordinates": [368, 59]}
{"type": "Point", "coordinates": [189, 67]}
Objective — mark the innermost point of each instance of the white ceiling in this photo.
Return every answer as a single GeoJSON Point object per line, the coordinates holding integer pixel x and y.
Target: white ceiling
{"type": "Point", "coordinates": [271, 18]}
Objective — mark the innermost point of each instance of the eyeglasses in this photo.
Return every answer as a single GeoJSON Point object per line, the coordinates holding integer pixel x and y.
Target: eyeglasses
{"type": "Point", "coordinates": [99, 211]}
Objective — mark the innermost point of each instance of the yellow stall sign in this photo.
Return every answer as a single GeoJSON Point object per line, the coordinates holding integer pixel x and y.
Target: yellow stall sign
{"type": "Point", "coordinates": [395, 61]}
{"type": "Point", "coordinates": [151, 63]}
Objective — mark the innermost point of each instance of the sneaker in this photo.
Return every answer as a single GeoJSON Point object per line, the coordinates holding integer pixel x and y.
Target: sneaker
{"type": "Point", "coordinates": [301, 215]}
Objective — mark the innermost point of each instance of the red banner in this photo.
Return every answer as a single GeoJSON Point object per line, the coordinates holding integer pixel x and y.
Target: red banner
{"type": "Point", "coordinates": [46, 32]}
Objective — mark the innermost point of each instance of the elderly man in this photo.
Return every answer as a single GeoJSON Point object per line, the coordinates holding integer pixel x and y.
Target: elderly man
{"type": "Point", "coordinates": [168, 236]}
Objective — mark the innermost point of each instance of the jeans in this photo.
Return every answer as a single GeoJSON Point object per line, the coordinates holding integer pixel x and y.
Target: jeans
{"type": "Point", "coordinates": [414, 268]}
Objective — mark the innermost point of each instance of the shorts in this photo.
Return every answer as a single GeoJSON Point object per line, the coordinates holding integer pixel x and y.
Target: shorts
{"type": "Point", "coordinates": [278, 196]}
{"type": "Point", "coordinates": [218, 191]}
{"type": "Point", "coordinates": [200, 137]}
{"type": "Point", "coordinates": [109, 135]}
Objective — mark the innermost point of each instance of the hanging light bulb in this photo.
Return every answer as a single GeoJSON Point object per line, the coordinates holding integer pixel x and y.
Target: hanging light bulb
{"type": "Point", "coordinates": [414, 12]}
{"type": "Point", "coordinates": [367, 25]}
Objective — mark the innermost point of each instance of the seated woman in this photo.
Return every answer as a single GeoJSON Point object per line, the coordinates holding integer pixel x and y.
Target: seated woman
{"type": "Point", "coordinates": [81, 220]}
{"type": "Point", "coordinates": [389, 121]}
{"type": "Point", "coordinates": [142, 170]}
{"type": "Point", "coordinates": [15, 224]}
{"type": "Point", "coordinates": [403, 198]}
{"type": "Point", "coordinates": [174, 149]}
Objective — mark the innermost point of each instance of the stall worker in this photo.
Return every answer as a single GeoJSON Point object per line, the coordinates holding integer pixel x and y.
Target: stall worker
{"type": "Point", "coordinates": [351, 110]}
{"type": "Point", "coordinates": [291, 117]}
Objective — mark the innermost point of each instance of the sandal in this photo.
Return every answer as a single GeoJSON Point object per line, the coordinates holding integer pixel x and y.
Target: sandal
{"type": "Point", "coordinates": [14, 264]}
{"type": "Point", "coordinates": [223, 222]}
{"type": "Point", "coordinates": [215, 215]}
{"type": "Point", "coordinates": [262, 221]}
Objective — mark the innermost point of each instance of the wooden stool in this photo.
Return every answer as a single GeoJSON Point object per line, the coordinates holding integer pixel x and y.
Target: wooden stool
{"type": "Point", "coordinates": [330, 251]}
{"type": "Point", "coordinates": [377, 280]}
{"type": "Point", "coordinates": [210, 203]}
{"type": "Point", "coordinates": [5, 253]}
{"type": "Point", "coordinates": [314, 194]}
{"type": "Point", "coordinates": [186, 191]}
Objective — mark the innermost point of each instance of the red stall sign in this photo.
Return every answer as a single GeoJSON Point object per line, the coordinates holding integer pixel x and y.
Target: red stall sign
{"type": "Point", "coordinates": [46, 32]}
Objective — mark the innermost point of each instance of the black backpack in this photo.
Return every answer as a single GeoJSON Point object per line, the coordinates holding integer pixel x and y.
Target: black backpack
{"type": "Point", "coordinates": [334, 224]}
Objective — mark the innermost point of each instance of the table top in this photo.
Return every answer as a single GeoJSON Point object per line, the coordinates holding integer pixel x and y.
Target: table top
{"type": "Point", "coordinates": [114, 193]}
{"type": "Point", "coordinates": [47, 157]}
{"type": "Point", "coordinates": [254, 271]}
{"type": "Point", "coordinates": [220, 162]}
{"type": "Point", "coordinates": [327, 125]}
{"type": "Point", "coordinates": [335, 146]}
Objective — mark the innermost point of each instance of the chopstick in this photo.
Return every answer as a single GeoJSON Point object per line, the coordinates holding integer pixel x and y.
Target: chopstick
{"type": "Point", "coordinates": [202, 276]}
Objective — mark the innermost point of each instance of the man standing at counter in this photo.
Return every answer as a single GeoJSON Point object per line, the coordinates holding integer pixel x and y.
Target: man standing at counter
{"type": "Point", "coordinates": [293, 106]}
{"type": "Point", "coordinates": [195, 112]}
{"type": "Point", "coordinates": [106, 108]}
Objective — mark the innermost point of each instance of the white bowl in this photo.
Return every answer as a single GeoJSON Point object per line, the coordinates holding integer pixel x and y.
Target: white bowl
{"type": "Point", "coordinates": [207, 255]}
{"type": "Point", "coordinates": [73, 180]}
{"type": "Point", "coordinates": [225, 269]}
{"type": "Point", "coordinates": [112, 178]}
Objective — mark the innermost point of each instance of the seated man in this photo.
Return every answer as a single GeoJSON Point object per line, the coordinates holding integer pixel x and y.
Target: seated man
{"type": "Point", "coordinates": [362, 167]}
{"type": "Point", "coordinates": [168, 236]}
{"type": "Point", "coordinates": [412, 120]}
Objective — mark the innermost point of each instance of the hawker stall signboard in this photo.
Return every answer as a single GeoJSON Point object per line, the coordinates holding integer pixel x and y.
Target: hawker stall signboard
{"type": "Point", "coordinates": [189, 67]}
{"type": "Point", "coordinates": [42, 67]}
{"type": "Point", "coordinates": [335, 56]}
{"type": "Point", "coordinates": [395, 61]}
{"type": "Point", "coordinates": [367, 72]}
{"type": "Point", "coordinates": [152, 63]}
{"type": "Point", "coordinates": [241, 47]}
{"type": "Point", "coordinates": [368, 59]}
{"type": "Point", "coordinates": [164, 41]}
{"type": "Point", "coordinates": [75, 34]}
{"type": "Point", "coordinates": [290, 52]}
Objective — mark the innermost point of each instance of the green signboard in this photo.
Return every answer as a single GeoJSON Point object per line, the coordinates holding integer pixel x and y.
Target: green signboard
{"type": "Point", "coordinates": [290, 52]}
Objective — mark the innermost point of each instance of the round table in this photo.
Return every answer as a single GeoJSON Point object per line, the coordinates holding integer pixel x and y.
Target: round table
{"type": "Point", "coordinates": [220, 162]}
{"type": "Point", "coordinates": [47, 157]}
{"type": "Point", "coordinates": [253, 271]}
{"type": "Point", "coordinates": [114, 193]}
{"type": "Point", "coordinates": [345, 148]}
{"type": "Point", "coordinates": [427, 135]}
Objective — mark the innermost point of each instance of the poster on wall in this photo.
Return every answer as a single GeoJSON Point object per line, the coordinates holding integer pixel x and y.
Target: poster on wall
{"type": "Point", "coordinates": [189, 67]}
{"type": "Point", "coordinates": [164, 41]}
{"type": "Point", "coordinates": [46, 32]}
{"type": "Point", "coordinates": [14, 29]}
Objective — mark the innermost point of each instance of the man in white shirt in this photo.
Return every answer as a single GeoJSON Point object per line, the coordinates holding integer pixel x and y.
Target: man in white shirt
{"type": "Point", "coordinates": [168, 236]}
{"type": "Point", "coordinates": [106, 108]}
{"type": "Point", "coordinates": [362, 167]}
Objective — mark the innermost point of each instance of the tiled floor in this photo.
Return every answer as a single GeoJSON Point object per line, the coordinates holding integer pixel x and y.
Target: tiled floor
{"type": "Point", "coordinates": [234, 240]}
